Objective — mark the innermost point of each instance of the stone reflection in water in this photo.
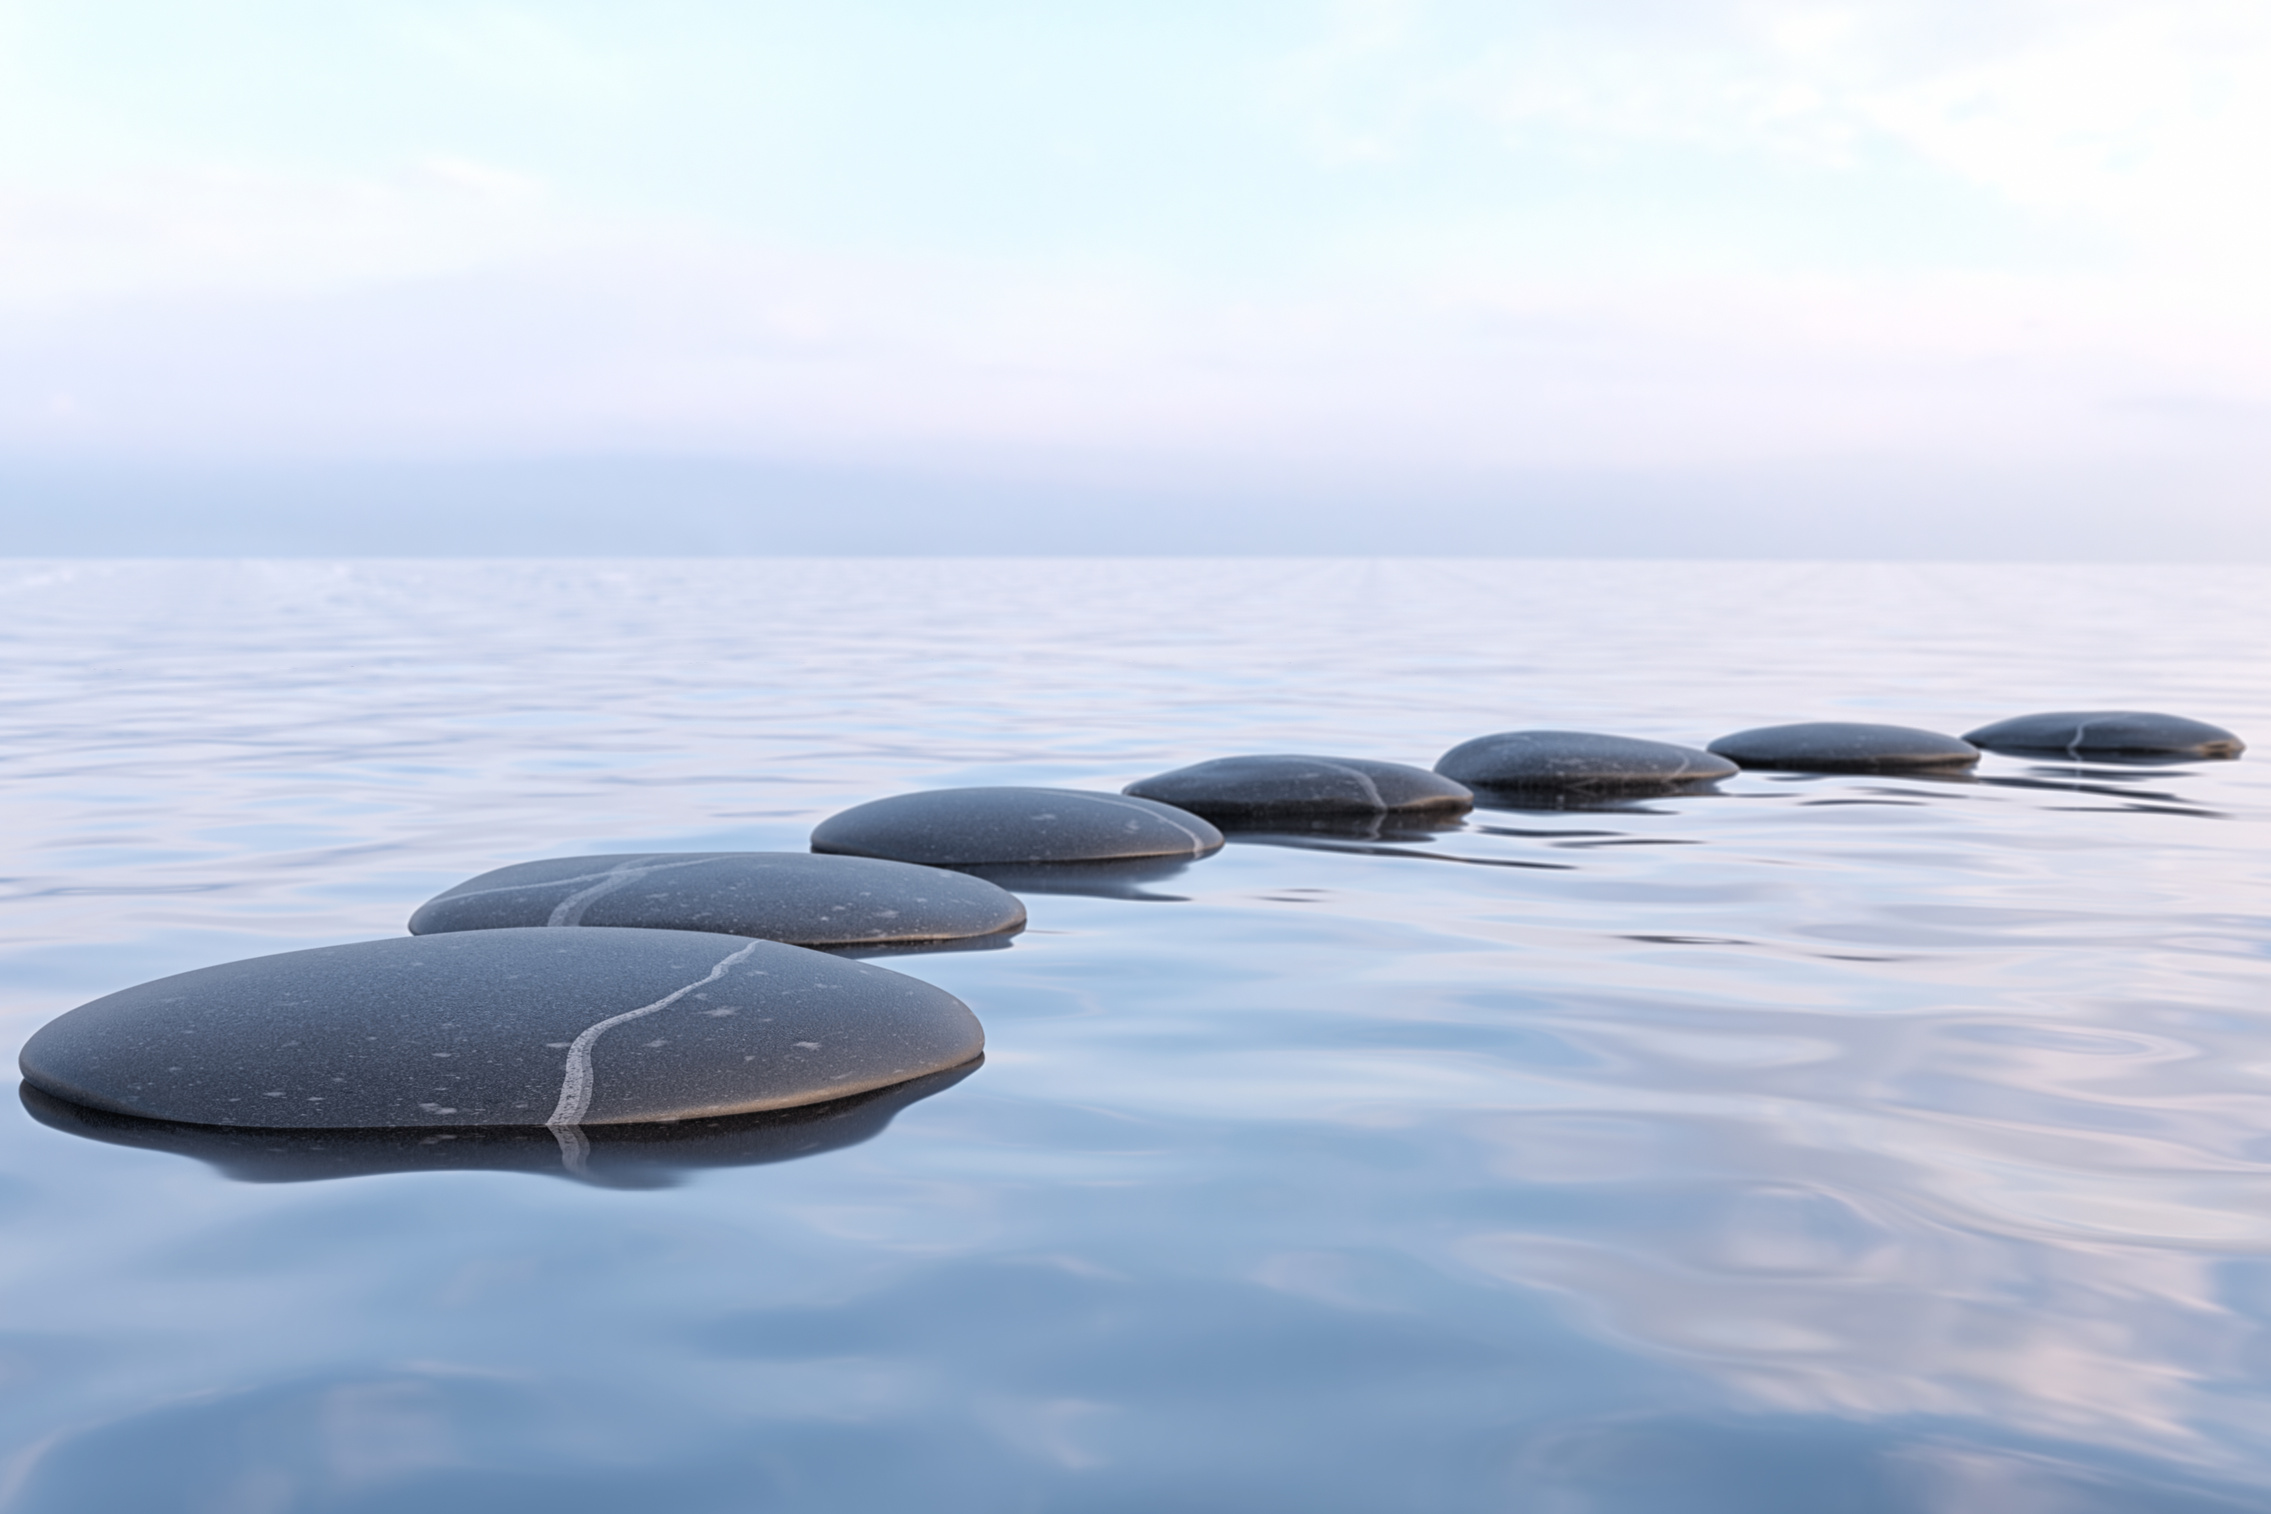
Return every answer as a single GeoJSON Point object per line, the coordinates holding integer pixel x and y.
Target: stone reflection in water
{"type": "Point", "coordinates": [2106, 778]}
{"type": "Point", "coordinates": [1132, 879]}
{"type": "Point", "coordinates": [1417, 828]}
{"type": "Point", "coordinates": [1629, 799]}
{"type": "Point", "coordinates": [1371, 841]}
{"type": "Point", "coordinates": [617, 1156]}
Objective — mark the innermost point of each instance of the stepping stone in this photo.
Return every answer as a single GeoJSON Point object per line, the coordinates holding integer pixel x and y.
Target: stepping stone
{"type": "Point", "coordinates": [775, 896]}
{"type": "Point", "coordinates": [1285, 788]}
{"type": "Point", "coordinates": [557, 1028]}
{"type": "Point", "coordinates": [974, 827]}
{"type": "Point", "coordinates": [1578, 760]}
{"type": "Point", "coordinates": [1844, 746]}
{"type": "Point", "coordinates": [2107, 733]}
{"type": "Point", "coordinates": [616, 1156]}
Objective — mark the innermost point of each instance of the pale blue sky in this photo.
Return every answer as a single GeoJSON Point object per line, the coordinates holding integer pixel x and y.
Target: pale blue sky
{"type": "Point", "coordinates": [1401, 246]}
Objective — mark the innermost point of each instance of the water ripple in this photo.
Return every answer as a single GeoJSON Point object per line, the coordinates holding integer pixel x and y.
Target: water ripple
{"type": "Point", "coordinates": [1818, 1142]}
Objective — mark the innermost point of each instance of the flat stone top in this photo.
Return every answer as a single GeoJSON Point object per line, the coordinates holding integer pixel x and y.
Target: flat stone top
{"type": "Point", "coordinates": [1578, 760]}
{"type": "Point", "coordinates": [973, 827]}
{"type": "Point", "coordinates": [1252, 788]}
{"type": "Point", "coordinates": [775, 896]}
{"type": "Point", "coordinates": [2108, 733]}
{"type": "Point", "coordinates": [502, 1027]}
{"type": "Point", "coordinates": [1845, 746]}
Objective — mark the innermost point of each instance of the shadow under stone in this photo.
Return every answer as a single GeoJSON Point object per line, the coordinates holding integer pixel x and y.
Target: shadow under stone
{"type": "Point", "coordinates": [1409, 829]}
{"type": "Point", "coordinates": [2114, 769]}
{"type": "Point", "coordinates": [1629, 799]}
{"type": "Point", "coordinates": [869, 952]}
{"type": "Point", "coordinates": [2105, 780]}
{"type": "Point", "coordinates": [611, 1156]}
{"type": "Point", "coordinates": [1094, 880]}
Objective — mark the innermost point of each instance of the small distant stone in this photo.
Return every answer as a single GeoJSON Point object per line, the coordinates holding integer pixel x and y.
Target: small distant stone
{"type": "Point", "coordinates": [1270, 788]}
{"type": "Point", "coordinates": [559, 1028]}
{"type": "Point", "coordinates": [775, 896]}
{"type": "Point", "coordinates": [1843, 746]}
{"type": "Point", "coordinates": [1578, 760]}
{"type": "Point", "coordinates": [2107, 733]}
{"type": "Point", "coordinates": [975, 827]}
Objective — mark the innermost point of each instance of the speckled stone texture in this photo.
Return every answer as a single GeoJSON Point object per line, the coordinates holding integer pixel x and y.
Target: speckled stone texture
{"type": "Point", "coordinates": [1262, 788]}
{"type": "Point", "coordinates": [1578, 760]}
{"type": "Point", "coordinates": [616, 1156]}
{"type": "Point", "coordinates": [1843, 746]}
{"type": "Point", "coordinates": [502, 1027]}
{"type": "Point", "coordinates": [2107, 733]}
{"type": "Point", "coordinates": [978, 826]}
{"type": "Point", "coordinates": [774, 896]}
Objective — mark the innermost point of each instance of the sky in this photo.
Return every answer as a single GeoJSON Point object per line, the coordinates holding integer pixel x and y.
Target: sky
{"type": "Point", "coordinates": [1747, 277]}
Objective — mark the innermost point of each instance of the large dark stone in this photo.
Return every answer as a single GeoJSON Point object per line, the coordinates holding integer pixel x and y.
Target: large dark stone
{"type": "Point", "coordinates": [1234, 789]}
{"type": "Point", "coordinates": [502, 1027]}
{"type": "Point", "coordinates": [617, 1156]}
{"type": "Point", "coordinates": [975, 827]}
{"type": "Point", "coordinates": [776, 896]}
{"type": "Point", "coordinates": [1578, 760]}
{"type": "Point", "coordinates": [1845, 746]}
{"type": "Point", "coordinates": [2107, 733]}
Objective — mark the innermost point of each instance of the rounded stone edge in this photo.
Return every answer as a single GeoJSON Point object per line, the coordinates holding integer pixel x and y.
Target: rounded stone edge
{"type": "Point", "coordinates": [1427, 805]}
{"type": "Point", "coordinates": [1017, 919]}
{"type": "Point", "coordinates": [1203, 847]}
{"type": "Point", "coordinates": [1948, 762]}
{"type": "Point", "coordinates": [61, 1088]}
{"type": "Point", "coordinates": [1659, 783]}
{"type": "Point", "coordinates": [2221, 746]}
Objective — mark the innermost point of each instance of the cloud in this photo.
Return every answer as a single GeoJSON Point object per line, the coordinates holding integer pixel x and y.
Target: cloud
{"type": "Point", "coordinates": [727, 346]}
{"type": "Point", "coordinates": [520, 50]}
{"type": "Point", "coordinates": [2149, 120]}
{"type": "Point", "coordinates": [167, 232]}
{"type": "Point", "coordinates": [1411, 240]}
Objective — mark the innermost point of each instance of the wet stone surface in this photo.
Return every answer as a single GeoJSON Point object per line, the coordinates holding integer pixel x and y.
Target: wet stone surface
{"type": "Point", "coordinates": [523, 1027]}
{"type": "Point", "coordinates": [979, 826]}
{"type": "Point", "coordinates": [1264, 788]}
{"type": "Point", "coordinates": [1844, 746]}
{"type": "Point", "coordinates": [2107, 733]}
{"type": "Point", "coordinates": [775, 896]}
{"type": "Point", "coordinates": [1578, 760]}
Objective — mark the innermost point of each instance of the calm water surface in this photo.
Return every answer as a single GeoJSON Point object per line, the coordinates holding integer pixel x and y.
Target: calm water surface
{"type": "Point", "coordinates": [1827, 1145]}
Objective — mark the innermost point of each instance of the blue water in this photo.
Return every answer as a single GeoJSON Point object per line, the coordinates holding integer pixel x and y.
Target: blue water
{"type": "Point", "coordinates": [1831, 1145]}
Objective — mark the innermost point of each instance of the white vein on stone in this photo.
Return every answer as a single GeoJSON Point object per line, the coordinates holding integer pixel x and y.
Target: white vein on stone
{"type": "Point", "coordinates": [570, 911]}
{"type": "Point", "coordinates": [641, 863]}
{"type": "Point", "coordinates": [1363, 778]}
{"type": "Point", "coordinates": [1198, 842]}
{"type": "Point", "coordinates": [576, 1083]}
